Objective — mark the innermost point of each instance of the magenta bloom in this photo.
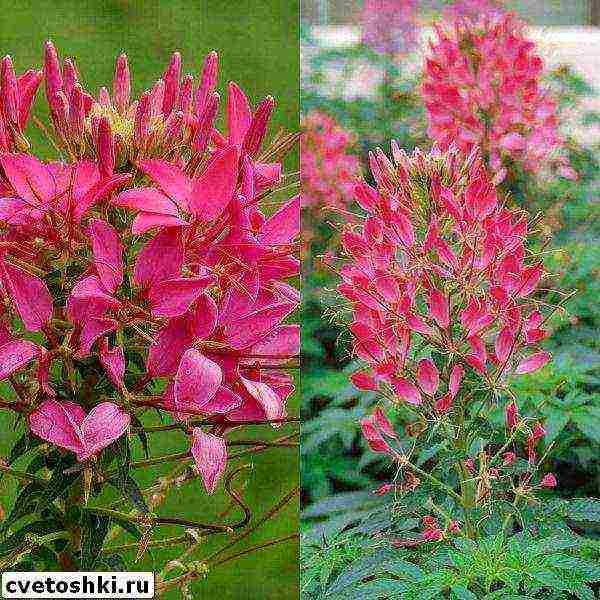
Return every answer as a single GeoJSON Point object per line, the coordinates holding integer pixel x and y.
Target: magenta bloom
{"type": "Point", "coordinates": [483, 89]}
{"type": "Point", "coordinates": [451, 269]}
{"type": "Point", "coordinates": [182, 282]}
{"type": "Point", "coordinates": [390, 26]}
{"type": "Point", "coordinates": [66, 425]}
{"type": "Point", "coordinates": [327, 168]}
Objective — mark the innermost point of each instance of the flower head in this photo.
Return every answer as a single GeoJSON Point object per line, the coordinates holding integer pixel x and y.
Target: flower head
{"type": "Point", "coordinates": [440, 258]}
{"type": "Point", "coordinates": [390, 26]}
{"type": "Point", "coordinates": [483, 88]}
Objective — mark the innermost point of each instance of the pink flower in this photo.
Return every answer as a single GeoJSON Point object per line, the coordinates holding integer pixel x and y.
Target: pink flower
{"type": "Point", "coordinates": [210, 455]}
{"type": "Point", "coordinates": [188, 273]}
{"type": "Point", "coordinates": [390, 26]}
{"type": "Point", "coordinates": [549, 481]}
{"type": "Point", "coordinates": [328, 170]}
{"type": "Point", "coordinates": [449, 270]}
{"type": "Point", "coordinates": [65, 424]}
{"type": "Point", "coordinates": [483, 89]}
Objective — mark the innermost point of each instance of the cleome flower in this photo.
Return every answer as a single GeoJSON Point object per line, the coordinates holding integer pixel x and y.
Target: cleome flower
{"type": "Point", "coordinates": [174, 117]}
{"type": "Point", "coordinates": [390, 26]}
{"type": "Point", "coordinates": [148, 257]}
{"type": "Point", "coordinates": [439, 258]}
{"type": "Point", "coordinates": [483, 89]}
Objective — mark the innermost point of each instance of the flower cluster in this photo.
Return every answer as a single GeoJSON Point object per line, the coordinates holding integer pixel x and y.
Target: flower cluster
{"type": "Point", "coordinates": [390, 26]}
{"type": "Point", "coordinates": [328, 171]}
{"type": "Point", "coordinates": [172, 117]}
{"type": "Point", "coordinates": [483, 88]}
{"type": "Point", "coordinates": [474, 9]}
{"type": "Point", "coordinates": [145, 265]}
{"type": "Point", "coordinates": [442, 288]}
{"type": "Point", "coordinates": [440, 258]}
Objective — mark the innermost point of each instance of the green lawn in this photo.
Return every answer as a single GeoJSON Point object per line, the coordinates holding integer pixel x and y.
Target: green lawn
{"type": "Point", "coordinates": [258, 45]}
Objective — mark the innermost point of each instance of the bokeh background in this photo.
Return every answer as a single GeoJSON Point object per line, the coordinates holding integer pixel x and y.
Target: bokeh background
{"type": "Point", "coordinates": [258, 46]}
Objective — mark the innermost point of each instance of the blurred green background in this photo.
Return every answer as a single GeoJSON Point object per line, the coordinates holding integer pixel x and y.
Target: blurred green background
{"type": "Point", "coordinates": [258, 42]}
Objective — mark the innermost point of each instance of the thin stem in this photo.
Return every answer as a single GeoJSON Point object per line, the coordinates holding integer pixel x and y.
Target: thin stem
{"type": "Point", "coordinates": [269, 514]}
{"type": "Point", "coordinates": [154, 520]}
{"type": "Point", "coordinates": [257, 547]}
{"type": "Point", "coordinates": [22, 475]}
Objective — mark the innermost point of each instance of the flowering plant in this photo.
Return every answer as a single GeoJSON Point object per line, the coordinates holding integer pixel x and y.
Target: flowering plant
{"type": "Point", "coordinates": [442, 284]}
{"type": "Point", "coordinates": [139, 274]}
{"type": "Point", "coordinates": [483, 88]}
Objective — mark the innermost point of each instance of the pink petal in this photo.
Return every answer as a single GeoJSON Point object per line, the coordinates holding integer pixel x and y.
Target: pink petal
{"type": "Point", "coordinates": [203, 317]}
{"type": "Point", "coordinates": [170, 179]}
{"type": "Point", "coordinates": [213, 189]}
{"type": "Point", "coordinates": [173, 297]}
{"type": "Point", "coordinates": [113, 362]}
{"type": "Point", "coordinates": [381, 420]}
{"type": "Point", "coordinates": [222, 402]}
{"type": "Point", "coordinates": [533, 363]}
{"type": "Point", "coordinates": [99, 191]}
{"type": "Point", "coordinates": [93, 328]}
{"type": "Point", "coordinates": [58, 423]}
{"type": "Point", "coordinates": [161, 258]}
{"type": "Point", "coordinates": [108, 254]}
{"type": "Point", "coordinates": [455, 378]}
{"type": "Point", "coordinates": [145, 221]}
{"type": "Point", "coordinates": [105, 423]}
{"type": "Point", "coordinates": [428, 376]}
{"type": "Point", "coordinates": [88, 298]}
{"type": "Point", "coordinates": [210, 454]}
{"type": "Point", "coordinates": [407, 391]}
{"type": "Point", "coordinates": [15, 355]}
{"type": "Point", "coordinates": [376, 441]}
{"type": "Point", "coordinates": [504, 343]}
{"type": "Point", "coordinates": [29, 177]}
{"type": "Point", "coordinates": [197, 380]}
{"type": "Point", "coordinates": [283, 342]}
{"type": "Point", "coordinates": [171, 342]}
{"type": "Point", "coordinates": [30, 296]}
{"type": "Point", "coordinates": [267, 398]}
{"type": "Point", "coordinates": [146, 199]}
{"type": "Point", "coordinates": [364, 381]}
{"type": "Point", "coordinates": [283, 226]}
{"type": "Point", "coordinates": [239, 114]}
{"type": "Point", "coordinates": [251, 328]}
{"type": "Point", "coordinates": [438, 306]}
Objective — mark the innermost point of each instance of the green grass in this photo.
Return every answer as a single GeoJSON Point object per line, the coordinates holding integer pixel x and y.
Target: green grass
{"type": "Point", "coordinates": [258, 45]}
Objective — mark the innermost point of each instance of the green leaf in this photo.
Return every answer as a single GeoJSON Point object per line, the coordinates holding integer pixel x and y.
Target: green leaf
{"type": "Point", "coordinates": [584, 509]}
{"type": "Point", "coordinates": [26, 503]}
{"type": "Point", "coordinates": [462, 593]}
{"type": "Point", "coordinates": [60, 481]}
{"type": "Point", "coordinates": [94, 530]}
{"type": "Point", "coordinates": [131, 491]}
{"type": "Point", "coordinates": [141, 434]}
{"type": "Point", "coordinates": [23, 445]}
{"type": "Point", "coordinates": [37, 528]}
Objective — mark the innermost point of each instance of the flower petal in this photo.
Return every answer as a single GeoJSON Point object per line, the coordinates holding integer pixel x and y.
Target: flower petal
{"type": "Point", "coordinates": [210, 455]}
